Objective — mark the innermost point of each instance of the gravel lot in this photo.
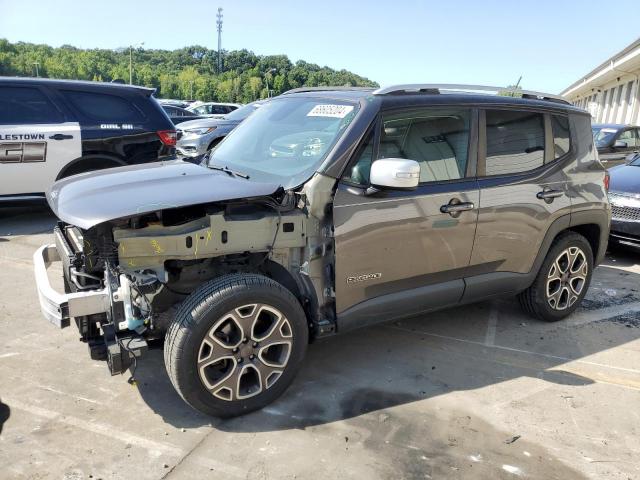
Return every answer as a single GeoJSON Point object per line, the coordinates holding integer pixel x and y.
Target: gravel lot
{"type": "Point", "coordinates": [480, 391]}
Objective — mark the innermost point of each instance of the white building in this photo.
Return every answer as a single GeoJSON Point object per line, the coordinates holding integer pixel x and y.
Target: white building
{"type": "Point", "coordinates": [611, 92]}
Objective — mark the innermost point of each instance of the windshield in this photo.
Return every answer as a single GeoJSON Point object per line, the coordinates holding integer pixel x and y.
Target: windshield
{"type": "Point", "coordinates": [242, 112]}
{"type": "Point", "coordinates": [285, 140]}
{"type": "Point", "coordinates": [603, 136]}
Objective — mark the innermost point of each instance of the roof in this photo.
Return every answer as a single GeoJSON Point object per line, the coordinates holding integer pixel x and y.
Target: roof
{"type": "Point", "coordinates": [610, 125]}
{"type": "Point", "coordinates": [616, 65]}
{"type": "Point", "coordinates": [416, 98]}
{"type": "Point", "coordinates": [68, 83]}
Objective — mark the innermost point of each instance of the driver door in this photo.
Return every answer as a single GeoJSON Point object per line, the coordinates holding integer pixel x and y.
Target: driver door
{"type": "Point", "coordinates": [400, 252]}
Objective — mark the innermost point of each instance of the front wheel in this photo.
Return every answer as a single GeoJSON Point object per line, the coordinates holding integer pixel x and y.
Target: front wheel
{"type": "Point", "coordinates": [236, 344]}
{"type": "Point", "coordinates": [562, 281]}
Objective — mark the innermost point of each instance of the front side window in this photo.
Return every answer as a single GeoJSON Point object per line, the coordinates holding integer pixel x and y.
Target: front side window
{"type": "Point", "coordinates": [103, 107]}
{"type": "Point", "coordinates": [630, 137]}
{"type": "Point", "coordinates": [515, 141]}
{"type": "Point", "coordinates": [285, 140]}
{"type": "Point", "coordinates": [603, 136]}
{"type": "Point", "coordinates": [26, 105]}
{"type": "Point", "coordinates": [438, 139]}
{"type": "Point", "coordinates": [561, 135]}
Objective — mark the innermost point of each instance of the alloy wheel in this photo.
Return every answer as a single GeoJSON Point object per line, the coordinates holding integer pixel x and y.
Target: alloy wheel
{"type": "Point", "coordinates": [566, 278]}
{"type": "Point", "coordinates": [245, 352]}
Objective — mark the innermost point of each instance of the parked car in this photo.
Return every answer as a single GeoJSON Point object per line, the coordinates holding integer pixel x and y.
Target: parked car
{"type": "Point", "coordinates": [624, 195]}
{"type": "Point", "coordinates": [178, 115]}
{"type": "Point", "coordinates": [213, 109]}
{"type": "Point", "coordinates": [52, 129]}
{"type": "Point", "coordinates": [615, 142]}
{"type": "Point", "coordinates": [170, 102]}
{"type": "Point", "coordinates": [414, 200]}
{"type": "Point", "coordinates": [197, 137]}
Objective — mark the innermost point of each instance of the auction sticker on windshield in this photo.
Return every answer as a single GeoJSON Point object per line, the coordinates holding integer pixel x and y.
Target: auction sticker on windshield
{"type": "Point", "coordinates": [335, 111]}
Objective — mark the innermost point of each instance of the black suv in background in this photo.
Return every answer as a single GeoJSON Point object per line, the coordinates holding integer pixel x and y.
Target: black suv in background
{"type": "Point", "coordinates": [615, 143]}
{"type": "Point", "coordinates": [51, 129]}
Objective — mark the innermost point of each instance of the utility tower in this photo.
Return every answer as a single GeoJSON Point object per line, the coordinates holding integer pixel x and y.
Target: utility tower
{"type": "Point", "coordinates": [219, 24]}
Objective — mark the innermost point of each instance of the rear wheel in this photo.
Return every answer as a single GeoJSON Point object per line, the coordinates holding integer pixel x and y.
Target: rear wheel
{"type": "Point", "coordinates": [563, 279]}
{"type": "Point", "coordinates": [236, 344]}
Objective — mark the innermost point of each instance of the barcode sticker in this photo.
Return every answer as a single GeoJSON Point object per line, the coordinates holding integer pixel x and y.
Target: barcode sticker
{"type": "Point", "coordinates": [335, 111]}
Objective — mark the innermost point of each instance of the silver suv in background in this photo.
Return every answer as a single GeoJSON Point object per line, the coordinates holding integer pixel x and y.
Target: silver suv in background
{"type": "Point", "coordinates": [327, 210]}
{"type": "Point", "coordinates": [213, 109]}
{"type": "Point", "coordinates": [197, 137]}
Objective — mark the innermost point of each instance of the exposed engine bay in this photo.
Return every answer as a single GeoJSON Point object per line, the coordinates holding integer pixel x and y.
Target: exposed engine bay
{"type": "Point", "coordinates": [149, 263]}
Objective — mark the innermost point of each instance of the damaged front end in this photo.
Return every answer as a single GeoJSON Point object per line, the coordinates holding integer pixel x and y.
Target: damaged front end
{"type": "Point", "coordinates": [124, 278]}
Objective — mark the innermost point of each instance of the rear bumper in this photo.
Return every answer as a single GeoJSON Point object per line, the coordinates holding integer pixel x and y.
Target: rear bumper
{"type": "Point", "coordinates": [59, 308]}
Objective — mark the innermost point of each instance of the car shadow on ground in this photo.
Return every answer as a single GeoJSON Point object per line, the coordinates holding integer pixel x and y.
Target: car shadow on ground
{"type": "Point", "coordinates": [398, 363]}
{"type": "Point", "coordinates": [26, 220]}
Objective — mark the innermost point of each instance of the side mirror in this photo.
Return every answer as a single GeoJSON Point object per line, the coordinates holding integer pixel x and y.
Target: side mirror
{"type": "Point", "coordinates": [395, 173]}
{"type": "Point", "coordinates": [620, 144]}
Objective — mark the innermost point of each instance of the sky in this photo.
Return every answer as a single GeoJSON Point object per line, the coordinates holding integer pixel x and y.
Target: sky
{"type": "Point", "coordinates": [550, 43]}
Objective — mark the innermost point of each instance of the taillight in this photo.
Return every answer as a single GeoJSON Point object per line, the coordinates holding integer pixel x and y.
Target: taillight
{"type": "Point", "coordinates": [168, 137]}
{"type": "Point", "coordinates": [606, 181]}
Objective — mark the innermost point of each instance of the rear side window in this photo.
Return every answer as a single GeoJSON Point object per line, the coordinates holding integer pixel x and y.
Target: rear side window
{"type": "Point", "coordinates": [26, 105]}
{"type": "Point", "coordinates": [104, 107]}
{"type": "Point", "coordinates": [561, 135]}
{"type": "Point", "coordinates": [515, 141]}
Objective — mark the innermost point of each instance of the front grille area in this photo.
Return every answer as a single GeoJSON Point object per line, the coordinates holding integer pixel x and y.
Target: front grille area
{"type": "Point", "coordinates": [624, 207]}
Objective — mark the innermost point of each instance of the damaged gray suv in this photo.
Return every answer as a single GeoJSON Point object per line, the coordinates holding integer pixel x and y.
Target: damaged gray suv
{"type": "Point", "coordinates": [327, 210]}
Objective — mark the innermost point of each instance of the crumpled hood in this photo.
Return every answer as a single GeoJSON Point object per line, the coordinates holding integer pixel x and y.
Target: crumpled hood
{"type": "Point", "coordinates": [92, 198]}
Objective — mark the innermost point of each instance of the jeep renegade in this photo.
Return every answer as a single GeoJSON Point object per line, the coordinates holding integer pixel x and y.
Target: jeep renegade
{"type": "Point", "coordinates": [328, 209]}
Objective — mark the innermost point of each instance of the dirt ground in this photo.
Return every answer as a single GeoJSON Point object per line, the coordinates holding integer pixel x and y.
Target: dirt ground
{"type": "Point", "coordinates": [480, 391]}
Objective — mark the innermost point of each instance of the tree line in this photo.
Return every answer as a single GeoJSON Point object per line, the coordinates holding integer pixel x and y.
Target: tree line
{"type": "Point", "coordinates": [185, 73]}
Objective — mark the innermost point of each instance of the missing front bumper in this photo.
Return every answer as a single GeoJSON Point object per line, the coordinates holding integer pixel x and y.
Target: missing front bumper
{"type": "Point", "coordinates": [59, 308]}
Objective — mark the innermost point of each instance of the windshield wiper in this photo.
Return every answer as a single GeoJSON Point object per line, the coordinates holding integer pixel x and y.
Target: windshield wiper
{"type": "Point", "coordinates": [226, 169]}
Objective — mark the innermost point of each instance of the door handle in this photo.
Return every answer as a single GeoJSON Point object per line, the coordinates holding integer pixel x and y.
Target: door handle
{"type": "Point", "coordinates": [60, 136]}
{"type": "Point", "coordinates": [455, 207]}
{"type": "Point", "coordinates": [549, 194]}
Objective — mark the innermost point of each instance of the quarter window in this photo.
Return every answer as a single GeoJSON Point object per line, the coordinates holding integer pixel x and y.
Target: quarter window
{"type": "Point", "coordinates": [515, 141]}
{"type": "Point", "coordinates": [104, 107]}
{"type": "Point", "coordinates": [26, 105]}
{"type": "Point", "coordinates": [561, 135]}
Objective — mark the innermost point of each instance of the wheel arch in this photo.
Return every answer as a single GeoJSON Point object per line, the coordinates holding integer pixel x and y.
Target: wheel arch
{"type": "Point", "coordinates": [93, 161]}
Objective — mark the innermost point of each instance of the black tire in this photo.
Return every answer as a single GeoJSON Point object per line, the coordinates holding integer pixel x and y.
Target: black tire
{"type": "Point", "coordinates": [535, 300]}
{"type": "Point", "coordinates": [195, 325]}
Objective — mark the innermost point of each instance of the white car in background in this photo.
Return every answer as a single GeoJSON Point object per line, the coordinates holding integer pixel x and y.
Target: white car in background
{"type": "Point", "coordinates": [213, 109]}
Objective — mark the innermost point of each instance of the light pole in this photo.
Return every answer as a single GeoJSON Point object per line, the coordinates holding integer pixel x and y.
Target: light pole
{"type": "Point", "coordinates": [131, 47]}
{"type": "Point", "coordinates": [37, 64]}
{"type": "Point", "coordinates": [266, 79]}
{"type": "Point", "coordinates": [219, 25]}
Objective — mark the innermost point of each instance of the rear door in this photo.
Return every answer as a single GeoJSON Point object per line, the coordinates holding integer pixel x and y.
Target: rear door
{"type": "Point", "coordinates": [36, 141]}
{"type": "Point", "coordinates": [401, 252]}
{"type": "Point", "coordinates": [523, 190]}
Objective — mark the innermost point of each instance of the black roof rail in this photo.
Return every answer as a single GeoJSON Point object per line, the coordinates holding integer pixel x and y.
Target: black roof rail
{"type": "Point", "coordinates": [436, 88]}
{"type": "Point", "coordinates": [326, 89]}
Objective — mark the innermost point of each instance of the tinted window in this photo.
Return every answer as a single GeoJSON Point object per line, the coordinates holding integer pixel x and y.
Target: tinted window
{"type": "Point", "coordinates": [561, 135]}
{"type": "Point", "coordinates": [103, 107]}
{"type": "Point", "coordinates": [515, 141]}
{"type": "Point", "coordinates": [630, 137]}
{"type": "Point", "coordinates": [437, 139]}
{"type": "Point", "coordinates": [218, 109]}
{"type": "Point", "coordinates": [26, 105]}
